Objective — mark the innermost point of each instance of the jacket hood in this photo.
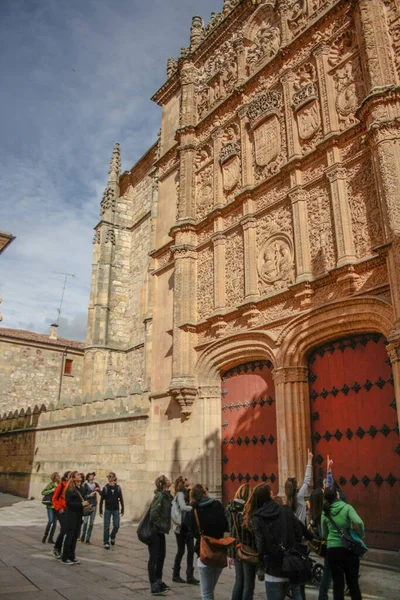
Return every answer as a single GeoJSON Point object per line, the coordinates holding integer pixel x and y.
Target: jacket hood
{"type": "Point", "coordinates": [270, 510]}
{"type": "Point", "coordinates": [205, 501]}
{"type": "Point", "coordinates": [337, 507]}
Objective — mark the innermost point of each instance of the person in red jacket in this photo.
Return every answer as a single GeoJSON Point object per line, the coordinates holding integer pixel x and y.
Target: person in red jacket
{"type": "Point", "coordinates": [60, 507]}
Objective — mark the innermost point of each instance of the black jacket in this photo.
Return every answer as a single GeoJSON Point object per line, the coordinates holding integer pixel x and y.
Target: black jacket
{"type": "Point", "coordinates": [160, 511]}
{"type": "Point", "coordinates": [211, 517]}
{"type": "Point", "coordinates": [275, 528]}
{"type": "Point", "coordinates": [234, 515]}
{"type": "Point", "coordinates": [74, 500]}
{"type": "Point", "coordinates": [111, 496]}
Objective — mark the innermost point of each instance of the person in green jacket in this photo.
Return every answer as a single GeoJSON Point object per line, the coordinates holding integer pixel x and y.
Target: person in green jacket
{"type": "Point", "coordinates": [160, 519]}
{"type": "Point", "coordinates": [342, 562]}
{"type": "Point", "coordinates": [47, 494]}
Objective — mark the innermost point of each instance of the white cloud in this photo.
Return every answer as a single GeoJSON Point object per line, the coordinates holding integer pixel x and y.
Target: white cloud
{"type": "Point", "coordinates": [76, 77]}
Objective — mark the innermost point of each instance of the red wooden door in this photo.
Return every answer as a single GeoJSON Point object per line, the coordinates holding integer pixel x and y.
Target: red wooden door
{"type": "Point", "coordinates": [354, 420]}
{"type": "Point", "coordinates": [249, 446]}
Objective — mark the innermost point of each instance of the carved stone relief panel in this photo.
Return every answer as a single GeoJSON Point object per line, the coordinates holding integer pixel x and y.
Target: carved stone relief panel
{"type": "Point", "coordinates": [318, 6]}
{"type": "Point", "coordinates": [204, 191]}
{"type": "Point", "coordinates": [272, 195]}
{"type": "Point", "coordinates": [205, 282]}
{"type": "Point", "coordinates": [275, 263]}
{"type": "Point", "coordinates": [262, 37]}
{"type": "Point", "coordinates": [268, 133]}
{"type": "Point", "coordinates": [296, 16]}
{"type": "Point", "coordinates": [321, 229]}
{"type": "Point", "coordinates": [205, 233]}
{"type": "Point", "coordinates": [306, 106]}
{"type": "Point", "coordinates": [234, 261]}
{"type": "Point", "coordinates": [314, 170]}
{"type": "Point", "coordinates": [203, 156]}
{"type": "Point", "coordinates": [393, 20]}
{"type": "Point", "coordinates": [344, 61]}
{"type": "Point", "coordinates": [230, 160]}
{"type": "Point", "coordinates": [365, 213]}
{"type": "Point", "coordinates": [218, 76]}
{"type": "Point", "coordinates": [233, 216]}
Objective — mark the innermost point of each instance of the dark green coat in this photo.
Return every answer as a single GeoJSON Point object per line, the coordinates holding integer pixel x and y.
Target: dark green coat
{"type": "Point", "coordinates": [160, 511]}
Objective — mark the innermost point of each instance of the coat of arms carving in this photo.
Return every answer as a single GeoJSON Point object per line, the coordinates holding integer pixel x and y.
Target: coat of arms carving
{"type": "Point", "coordinates": [230, 164]}
{"type": "Point", "coordinates": [267, 141]}
{"type": "Point", "coordinates": [308, 119]}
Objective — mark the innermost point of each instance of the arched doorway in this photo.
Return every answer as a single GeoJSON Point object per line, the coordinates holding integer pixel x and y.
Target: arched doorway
{"type": "Point", "coordinates": [354, 420]}
{"type": "Point", "coordinates": [249, 444]}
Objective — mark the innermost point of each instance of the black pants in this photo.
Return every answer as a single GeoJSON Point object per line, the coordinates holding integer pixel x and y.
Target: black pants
{"type": "Point", "coordinates": [62, 519]}
{"type": "Point", "coordinates": [344, 564]}
{"type": "Point", "coordinates": [74, 523]}
{"type": "Point", "coordinates": [184, 540]}
{"type": "Point", "coordinates": [156, 557]}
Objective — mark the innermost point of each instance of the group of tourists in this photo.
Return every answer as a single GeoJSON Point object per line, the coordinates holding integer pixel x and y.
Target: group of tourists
{"type": "Point", "coordinates": [72, 501]}
{"type": "Point", "coordinates": [268, 535]}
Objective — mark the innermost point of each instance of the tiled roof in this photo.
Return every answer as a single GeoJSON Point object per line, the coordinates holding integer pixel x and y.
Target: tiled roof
{"type": "Point", "coordinates": [30, 336]}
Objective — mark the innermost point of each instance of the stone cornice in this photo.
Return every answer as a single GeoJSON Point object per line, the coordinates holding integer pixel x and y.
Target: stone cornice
{"type": "Point", "coordinates": [290, 375]}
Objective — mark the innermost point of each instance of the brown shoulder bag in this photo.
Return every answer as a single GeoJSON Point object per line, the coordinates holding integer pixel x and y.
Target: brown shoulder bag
{"type": "Point", "coordinates": [213, 551]}
{"type": "Point", "coordinates": [244, 552]}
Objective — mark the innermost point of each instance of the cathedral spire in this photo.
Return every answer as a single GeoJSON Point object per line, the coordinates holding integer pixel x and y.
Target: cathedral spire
{"type": "Point", "coordinates": [115, 165]}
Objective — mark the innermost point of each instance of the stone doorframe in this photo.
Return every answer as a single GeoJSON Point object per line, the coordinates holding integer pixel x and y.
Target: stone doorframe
{"type": "Point", "coordinates": [288, 354]}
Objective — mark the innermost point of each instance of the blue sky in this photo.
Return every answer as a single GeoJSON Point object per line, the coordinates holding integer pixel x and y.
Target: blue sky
{"type": "Point", "coordinates": [76, 77]}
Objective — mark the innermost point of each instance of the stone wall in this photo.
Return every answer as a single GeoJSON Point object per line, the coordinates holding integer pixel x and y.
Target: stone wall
{"type": "Point", "coordinates": [30, 373]}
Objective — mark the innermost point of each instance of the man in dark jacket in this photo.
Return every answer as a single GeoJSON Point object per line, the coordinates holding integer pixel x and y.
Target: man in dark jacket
{"type": "Point", "coordinates": [111, 496]}
{"type": "Point", "coordinates": [160, 518]}
{"type": "Point", "coordinates": [276, 528]}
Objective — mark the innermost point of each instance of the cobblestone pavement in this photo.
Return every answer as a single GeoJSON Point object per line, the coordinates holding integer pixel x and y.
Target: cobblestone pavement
{"type": "Point", "coordinates": [28, 570]}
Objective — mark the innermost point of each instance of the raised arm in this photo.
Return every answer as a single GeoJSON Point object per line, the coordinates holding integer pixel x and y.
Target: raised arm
{"type": "Point", "coordinates": [329, 476]}
{"type": "Point", "coordinates": [307, 477]}
{"type": "Point", "coordinates": [180, 498]}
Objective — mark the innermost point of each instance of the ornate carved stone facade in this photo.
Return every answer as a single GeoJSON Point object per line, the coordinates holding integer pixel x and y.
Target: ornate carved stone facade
{"type": "Point", "coordinates": [271, 219]}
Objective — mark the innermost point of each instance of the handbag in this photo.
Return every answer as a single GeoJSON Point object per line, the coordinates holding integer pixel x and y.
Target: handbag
{"type": "Point", "coordinates": [297, 567]}
{"type": "Point", "coordinates": [244, 552]}
{"type": "Point", "coordinates": [87, 509]}
{"type": "Point", "coordinates": [350, 540]}
{"type": "Point", "coordinates": [213, 551]}
{"type": "Point", "coordinates": [319, 546]}
{"type": "Point", "coordinates": [145, 530]}
{"type": "Point", "coordinates": [48, 499]}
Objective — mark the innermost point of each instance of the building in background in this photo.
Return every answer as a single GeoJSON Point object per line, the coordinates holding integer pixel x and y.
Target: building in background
{"type": "Point", "coordinates": [245, 300]}
{"type": "Point", "coordinates": [5, 241]}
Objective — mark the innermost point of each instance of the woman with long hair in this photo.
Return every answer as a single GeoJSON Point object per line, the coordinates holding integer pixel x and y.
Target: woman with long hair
{"type": "Point", "coordinates": [47, 494]}
{"type": "Point", "coordinates": [75, 502]}
{"type": "Point", "coordinates": [276, 528]}
{"type": "Point", "coordinates": [184, 537]}
{"type": "Point", "coordinates": [343, 563]}
{"type": "Point", "coordinates": [245, 572]}
{"type": "Point", "coordinates": [295, 496]}
{"type": "Point", "coordinates": [160, 518]}
{"type": "Point", "coordinates": [60, 507]}
{"type": "Point", "coordinates": [212, 520]}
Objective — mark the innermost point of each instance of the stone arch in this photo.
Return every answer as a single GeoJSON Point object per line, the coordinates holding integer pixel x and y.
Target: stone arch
{"type": "Point", "coordinates": [257, 19]}
{"type": "Point", "coordinates": [337, 319]}
{"type": "Point", "coordinates": [228, 352]}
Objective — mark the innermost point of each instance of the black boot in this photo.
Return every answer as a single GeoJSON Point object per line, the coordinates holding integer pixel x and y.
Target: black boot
{"type": "Point", "coordinates": [44, 539]}
{"type": "Point", "coordinates": [178, 579]}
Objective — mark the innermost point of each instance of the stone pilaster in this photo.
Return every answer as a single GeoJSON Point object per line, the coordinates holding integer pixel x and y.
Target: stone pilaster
{"type": "Point", "coordinates": [249, 225]}
{"type": "Point", "coordinates": [293, 142]}
{"type": "Point", "coordinates": [298, 197]}
{"type": "Point", "coordinates": [247, 161]}
{"type": "Point", "coordinates": [393, 349]}
{"type": "Point", "coordinates": [327, 92]}
{"type": "Point", "coordinates": [341, 214]}
{"type": "Point", "coordinates": [376, 46]}
{"type": "Point", "coordinates": [187, 142]}
{"type": "Point", "coordinates": [219, 243]}
{"type": "Point", "coordinates": [241, 58]}
{"type": "Point", "coordinates": [218, 181]}
{"type": "Point", "coordinates": [293, 421]}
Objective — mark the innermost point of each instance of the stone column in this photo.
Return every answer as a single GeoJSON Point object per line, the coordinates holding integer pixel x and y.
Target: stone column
{"type": "Point", "coordinates": [293, 421]}
{"type": "Point", "coordinates": [218, 181]}
{"type": "Point", "coordinates": [249, 225]}
{"type": "Point", "coordinates": [327, 92]}
{"type": "Point", "coordinates": [241, 58]}
{"type": "Point", "coordinates": [247, 158]}
{"type": "Point", "coordinates": [298, 197]}
{"type": "Point", "coordinates": [210, 467]}
{"type": "Point", "coordinates": [341, 214]}
{"type": "Point", "coordinates": [187, 138]}
{"type": "Point", "coordinates": [219, 242]}
{"type": "Point", "coordinates": [376, 45]}
{"type": "Point", "coordinates": [293, 142]}
{"type": "Point", "coordinates": [393, 349]}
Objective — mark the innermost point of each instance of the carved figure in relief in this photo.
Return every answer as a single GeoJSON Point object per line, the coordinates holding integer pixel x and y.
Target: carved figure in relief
{"type": "Point", "coordinates": [308, 119]}
{"type": "Point", "coordinates": [276, 265]}
{"type": "Point", "coordinates": [203, 102]}
{"type": "Point", "coordinates": [297, 15]}
{"type": "Point", "coordinates": [266, 45]}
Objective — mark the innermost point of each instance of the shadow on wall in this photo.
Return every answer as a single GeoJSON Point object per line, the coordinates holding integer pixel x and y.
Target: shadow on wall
{"type": "Point", "coordinates": [17, 450]}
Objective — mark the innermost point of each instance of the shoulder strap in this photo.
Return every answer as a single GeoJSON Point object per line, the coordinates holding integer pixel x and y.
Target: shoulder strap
{"type": "Point", "coordinates": [197, 521]}
{"type": "Point", "coordinates": [80, 494]}
{"type": "Point", "coordinates": [340, 532]}
{"type": "Point", "coordinates": [236, 527]}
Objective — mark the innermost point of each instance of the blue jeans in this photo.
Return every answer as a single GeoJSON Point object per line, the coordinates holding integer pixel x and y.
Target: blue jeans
{"type": "Point", "coordinates": [245, 578]}
{"type": "Point", "coordinates": [107, 521]}
{"type": "Point", "coordinates": [51, 523]}
{"type": "Point", "coordinates": [325, 581]}
{"type": "Point", "coordinates": [88, 524]}
{"type": "Point", "coordinates": [208, 580]}
{"type": "Point", "coordinates": [279, 590]}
